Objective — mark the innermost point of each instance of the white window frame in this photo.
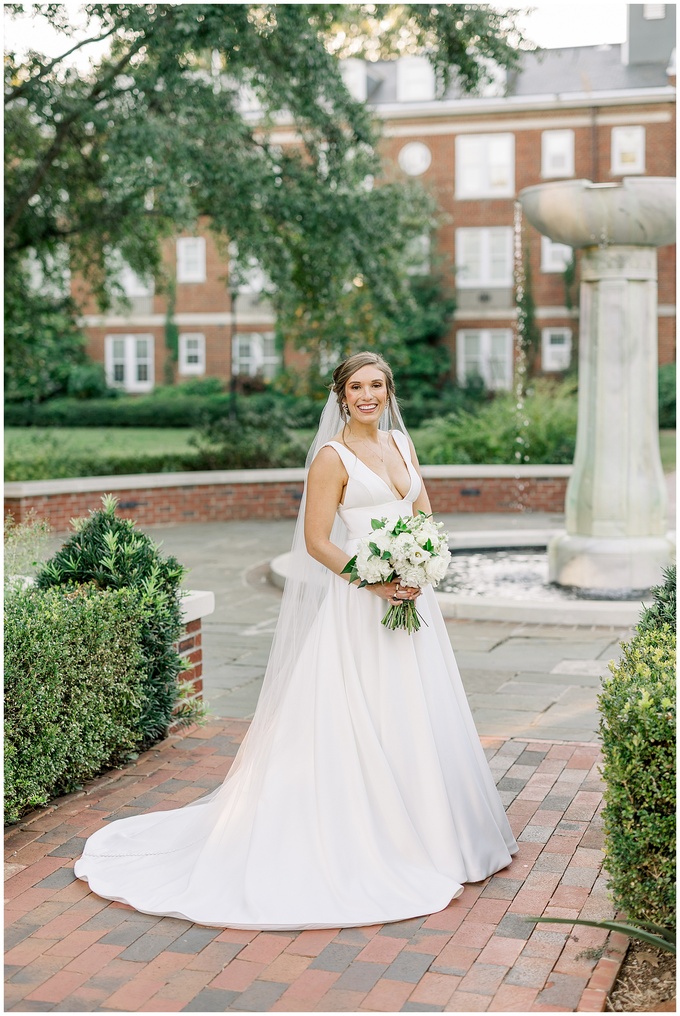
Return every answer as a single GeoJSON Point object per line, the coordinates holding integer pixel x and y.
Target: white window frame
{"type": "Point", "coordinates": [355, 77]}
{"type": "Point", "coordinates": [191, 259]}
{"type": "Point", "coordinates": [554, 256]}
{"type": "Point", "coordinates": [555, 357]}
{"type": "Point", "coordinates": [630, 139]}
{"type": "Point", "coordinates": [480, 183]}
{"type": "Point", "coordinates": [492, 378]}
{"type": "Point", "coordinates": [654, 12]}
{"type": "Point", "coordinates": [415, 79]}
{"type": "Point", "coordinates": [484, 236]}
{"type": "Point", "coordinates": [557, 146]}
{"type": "Point", "coordinates": [418, 252]}
{"type": "Point", "coordinates": [130, 361]}
{"type": "Point", "coordinates": [262, 360]}
{"type": "Point", "coordinates": [184, 366]}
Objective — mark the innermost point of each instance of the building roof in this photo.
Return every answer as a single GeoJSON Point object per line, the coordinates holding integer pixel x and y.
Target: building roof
{"type": "Point", "coordinates": [583, 69]}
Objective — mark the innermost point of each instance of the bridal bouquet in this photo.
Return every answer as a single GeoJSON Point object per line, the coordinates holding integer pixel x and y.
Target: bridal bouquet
{"type": "Point", "coordinates": [411, 549]}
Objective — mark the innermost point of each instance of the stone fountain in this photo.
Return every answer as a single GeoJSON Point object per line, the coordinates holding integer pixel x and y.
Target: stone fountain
{"type": "Point", "coordinates": [616, 537]}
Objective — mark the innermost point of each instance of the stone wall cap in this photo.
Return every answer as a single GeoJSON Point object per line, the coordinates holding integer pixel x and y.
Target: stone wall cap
{"type": "Point", "coordinates": [217, 477]}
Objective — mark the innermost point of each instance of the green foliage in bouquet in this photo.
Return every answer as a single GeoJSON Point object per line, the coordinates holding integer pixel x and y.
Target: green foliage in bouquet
{"type": "Point", "coordinates": [111, 553]}
{"type": "Point", "coordinates": [74, 689]}
{"type": "Point", "coordinates": [637, 727]}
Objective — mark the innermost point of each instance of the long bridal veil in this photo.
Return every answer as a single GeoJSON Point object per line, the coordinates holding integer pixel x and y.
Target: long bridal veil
{"type": "Point", "coordinates": [307, 583]}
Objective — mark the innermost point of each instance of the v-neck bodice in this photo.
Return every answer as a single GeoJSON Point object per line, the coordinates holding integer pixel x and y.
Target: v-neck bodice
{"type": "Point", "coordinates": [368, 495]}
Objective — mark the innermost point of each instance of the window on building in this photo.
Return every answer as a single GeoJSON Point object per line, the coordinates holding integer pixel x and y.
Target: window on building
{"type": "Point", "coordinates": [135, 286]}
{"type": "Point", "coordinates": [628, 150]}
{"type": "Point", "coordinates": [484, 257]}
{"type": "Point", "coordinates": [129, 362]}
{"type": "Point", "coordinates": [555, 348]}
{"type": "Point", "coordinates": [414, 158]}
{"type": "Point", "coordinates": [191, 259]}
{"type": "Point", "coordinates": [255, 353]}
{"type": "Point", "coordinates": [485, 353]}
{"type": "Point", "coordinates": [485, 165]}
{"type": "Point", "coordinates": [354, 76]}
{"type": "Point", "coordinates": [418, 255]}
{"type": "Point", "coordinates": [191, 358]}
{"type": "Point", "coordinates": [653, 12]}
{"type": "Point", "coordinates": [249, 278]}
{"type": "Point", "coordinates": [557, 153]}
{"type": "Point", "coordinates": [415, 79]}
{"type": "Point", "coordinates": [554, 256]}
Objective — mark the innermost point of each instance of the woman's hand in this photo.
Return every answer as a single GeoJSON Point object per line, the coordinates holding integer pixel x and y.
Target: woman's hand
{"type": "Point", "coordinates": [394, 592]}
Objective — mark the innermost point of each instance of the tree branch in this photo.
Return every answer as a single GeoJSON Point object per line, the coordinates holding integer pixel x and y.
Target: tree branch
{"type": "Point", "coordinates": [20, 89]}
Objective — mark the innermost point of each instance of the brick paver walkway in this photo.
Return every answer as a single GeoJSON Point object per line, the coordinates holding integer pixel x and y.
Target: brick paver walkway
{"type": "Point", "coordinates": [70, 951]}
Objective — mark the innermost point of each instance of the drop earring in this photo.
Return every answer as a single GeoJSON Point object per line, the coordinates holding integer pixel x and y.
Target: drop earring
{"type": "Point", "coordinates": [345, 408]}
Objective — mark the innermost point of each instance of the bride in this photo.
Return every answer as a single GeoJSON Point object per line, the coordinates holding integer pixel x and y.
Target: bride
{"type": "Point", "coordinates": [361, 793]}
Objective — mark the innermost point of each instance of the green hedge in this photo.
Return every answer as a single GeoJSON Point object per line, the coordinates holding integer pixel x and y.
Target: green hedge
{"type": "Point", "coordinates": [491, 434]}
{"type": "Point", "coordinates": [165, 408]}
{"type": "Point", "coordinates": [112, 553]}
{"type": "Point", "coordinates": [56, 466]}
{"type": "Point", "coordinates": [637, 727]}
{"type": "Point", "coordinates": [667, 396]}
{"type": "Point", "coordinates": [74, 673]}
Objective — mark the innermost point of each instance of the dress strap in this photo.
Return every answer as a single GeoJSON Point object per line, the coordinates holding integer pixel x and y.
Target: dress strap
{"type": "Point", "coordinates": [347, 457]}
{"type": "Point", "coordinates": [402, 444]}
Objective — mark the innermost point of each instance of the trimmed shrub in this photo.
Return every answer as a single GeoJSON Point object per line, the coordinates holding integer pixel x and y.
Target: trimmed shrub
{"type": "Point", "coordinates": [667, 396]}
{"type": "Point", "coordinates": [249, 440]}
{"type": "Point", "coordinates": [112, 553]}
{"type": "Point", "coordinates": [55, 467]}
{"type": "Point", "coordinates": [637, 727]}
{"type": "Point", "coordinates": [663, 609]}
{"type": "Point", "coordinates": [74, 674]}
{"type": "Point", "coordinates": [491, 434]}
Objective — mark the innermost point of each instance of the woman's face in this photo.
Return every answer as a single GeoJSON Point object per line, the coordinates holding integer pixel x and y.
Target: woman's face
{"type": "Point", "coordinates": [366, 394]}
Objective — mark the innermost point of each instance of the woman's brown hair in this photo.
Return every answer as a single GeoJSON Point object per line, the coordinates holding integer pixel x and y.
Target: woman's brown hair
{"type": "Point", "coordinates": [351, 365]}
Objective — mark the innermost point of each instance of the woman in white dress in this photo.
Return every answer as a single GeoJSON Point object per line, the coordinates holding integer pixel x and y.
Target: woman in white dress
{"type": "Point", "coordinates": [361, 793]}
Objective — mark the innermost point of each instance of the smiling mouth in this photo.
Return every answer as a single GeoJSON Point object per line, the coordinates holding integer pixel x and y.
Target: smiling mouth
{"type": "Point", "coordinates": [367, 409]}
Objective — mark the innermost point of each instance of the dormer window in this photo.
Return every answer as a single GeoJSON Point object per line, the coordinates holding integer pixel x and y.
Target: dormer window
{"type": "Point", "coordinates": [415, 79]}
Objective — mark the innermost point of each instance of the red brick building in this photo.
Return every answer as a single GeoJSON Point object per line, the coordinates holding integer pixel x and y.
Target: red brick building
{"type": "Point", "coordinates": [595, 112]}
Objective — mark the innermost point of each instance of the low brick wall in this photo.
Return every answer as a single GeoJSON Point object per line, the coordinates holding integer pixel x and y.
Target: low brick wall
{"type": "Point", "coordinates": [176, 498]}
{"type": "Point", "coordinates": [189, 648]}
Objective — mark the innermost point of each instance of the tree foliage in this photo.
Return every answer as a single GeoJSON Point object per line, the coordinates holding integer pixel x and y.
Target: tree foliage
{"type": "Point", "coordinates": [155, 134]}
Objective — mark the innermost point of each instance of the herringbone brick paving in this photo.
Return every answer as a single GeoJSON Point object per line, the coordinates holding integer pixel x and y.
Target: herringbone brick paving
{"type": "Point", "coordinates": [70, 951]}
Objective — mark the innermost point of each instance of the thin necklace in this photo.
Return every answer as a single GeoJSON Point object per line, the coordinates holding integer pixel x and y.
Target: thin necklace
{"type": "Point", "coordinates": [381, 457]}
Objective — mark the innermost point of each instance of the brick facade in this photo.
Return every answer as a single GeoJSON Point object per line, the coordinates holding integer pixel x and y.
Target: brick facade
{"type": "Point", "coordinates": [189, 648]}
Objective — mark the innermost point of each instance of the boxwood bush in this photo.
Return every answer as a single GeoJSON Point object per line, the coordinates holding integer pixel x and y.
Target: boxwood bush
{"type": "Point", "coordinates": [113, 554]}
{"type": "Point", "coordinates": [74, 677]}
{"type": "Point", "coordinates": [637, 727]}
{"type": "Point", "coordinates": [490, 434]}
{"type": "Point", "coordinates": [667, 396]}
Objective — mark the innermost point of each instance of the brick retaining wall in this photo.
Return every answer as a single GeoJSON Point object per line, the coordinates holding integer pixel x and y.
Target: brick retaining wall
{"type": "Point", "coordinates": [274, 494]}
{"type": "Point", "coordinates": [189, 648]}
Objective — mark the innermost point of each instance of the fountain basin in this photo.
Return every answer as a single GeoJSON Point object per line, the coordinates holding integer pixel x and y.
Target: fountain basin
{"type": "Point", "coordinates": [640, 211]}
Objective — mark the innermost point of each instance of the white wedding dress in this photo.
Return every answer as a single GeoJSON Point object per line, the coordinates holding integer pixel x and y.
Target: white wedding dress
{"type": "Point", "coordinates": [373, 801]}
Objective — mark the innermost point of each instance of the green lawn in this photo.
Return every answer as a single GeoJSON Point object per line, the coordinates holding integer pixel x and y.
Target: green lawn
{"type": "Point", "coordinates": [32, 442]}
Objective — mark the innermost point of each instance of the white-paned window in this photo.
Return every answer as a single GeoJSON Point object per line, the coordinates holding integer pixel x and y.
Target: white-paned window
{"type": "Point", "coordinates": [555, 348]}
{"type": "Point", "coordinates": [250, 278]}
{"type": "Point", "coordinates": [484, 257]}
{"type": "Point", "coordinates": [418, 255]}
{"type": "Point", "coordinates": [554, 256]}
{"type": "Point", "coordinates": [255, 353]}
{"type": "Point", "coordinates": [135, 285]}
{"type": "Point", "coordinates": [415, 79]}
{"type": "Point", "coordinates": [191, 353]}
{"type": "Point", "coordinates": [129, 362]}
{"type": "Point", "coordinates": [354, 76]}
{"type": "Point", "coordinates": [414, 158]}
{"type": "Point", "coordinates": [557, 153]}
{"type": "Point", "coordinates": [485, 353]}
{"type": "Point", "coordinates": [653, 12]}
{"type": "Point", "coordinates": [191, 259]}
{"type": "Point", "coordinates": [485, 165]}
{"type": "Point", "coordinates": [628, 150]}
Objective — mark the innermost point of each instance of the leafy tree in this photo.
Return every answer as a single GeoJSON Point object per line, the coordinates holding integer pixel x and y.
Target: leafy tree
{"type": "Point", "coordinates": [154, 134]}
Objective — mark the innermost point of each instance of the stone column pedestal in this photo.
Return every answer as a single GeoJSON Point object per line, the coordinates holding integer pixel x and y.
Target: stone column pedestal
{"type": "Point", "coordinates": [616, 499]}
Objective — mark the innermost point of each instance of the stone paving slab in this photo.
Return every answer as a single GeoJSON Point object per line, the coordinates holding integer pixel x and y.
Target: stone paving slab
{"type": "Point", "coordinates": [71, 951]}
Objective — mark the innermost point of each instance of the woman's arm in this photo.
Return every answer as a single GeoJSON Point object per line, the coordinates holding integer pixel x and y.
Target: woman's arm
{"type": "Point", "coordinates": [422, 502]}
{"type": "Point", "coordinates": [325, 482]}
